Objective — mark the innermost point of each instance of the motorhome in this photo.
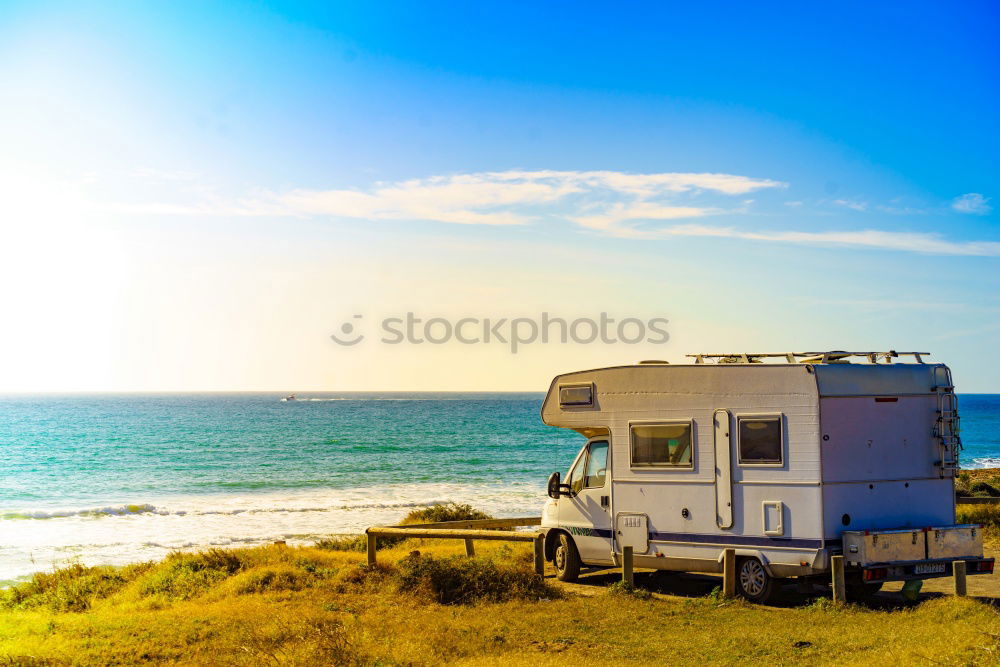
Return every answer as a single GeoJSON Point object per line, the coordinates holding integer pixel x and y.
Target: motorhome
{"type": "Point", "coordinates": [789, 459]}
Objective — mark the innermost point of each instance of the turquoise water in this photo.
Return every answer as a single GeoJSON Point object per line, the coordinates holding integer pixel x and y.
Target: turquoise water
{"type": "Point", "coordinates": [114, 479]}
{"type": "Point", "coordinates": [980, 430]}
{"type": "Point", "coordinates": [111, 479]}
{"type": "Point", "coordinates": [109, 449]}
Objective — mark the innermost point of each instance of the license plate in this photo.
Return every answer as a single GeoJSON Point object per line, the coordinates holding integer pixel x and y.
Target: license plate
{"type": "Point", "coordinates": [929, 568]}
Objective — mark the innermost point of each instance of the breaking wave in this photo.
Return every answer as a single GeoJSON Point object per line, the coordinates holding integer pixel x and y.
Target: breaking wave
{"type": "Point", "coordinates": [367, 399]}
{"type": "Point", "coordinates": [112, 510]}
{"type": "Point", "coordinates": [984, 462]}
{"type": "Point", "coordinates": [132, 509]}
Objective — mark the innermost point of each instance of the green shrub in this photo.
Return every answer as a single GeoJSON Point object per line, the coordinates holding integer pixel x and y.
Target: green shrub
{"type": "Point", "coordinates": [344, 543]}
{"type": "Point", "coordinates": [269, 579]}
{"type": "Point", "coordinates": [364, 578]}
{"type": "Point", "coordinates": [461, 580]}
{"type": "Point", "coordinates": [984, 489]}
{"type": "Point", "coordinates": [962, 484]}
{"type": "Point", "coordinates": [72, 588]}
{"type": "Point", "coordinates": [432, 514]}
{"type": "Point", "coordinates": [183, 576]}
{"type": "Point", "coordinates": [987, 516]}
{"type": "Point", "coordinates": [622, 589]}
{"type": "Point", "coordinates": [357, 542]}
{"type": "Point", "coordinates": [823, 604]}
{"type": "Point", "coordinates": [445, 512]}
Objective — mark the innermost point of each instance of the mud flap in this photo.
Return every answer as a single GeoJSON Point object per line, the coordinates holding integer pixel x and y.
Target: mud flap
{"type": "Point", "coordinates": [911, 589]}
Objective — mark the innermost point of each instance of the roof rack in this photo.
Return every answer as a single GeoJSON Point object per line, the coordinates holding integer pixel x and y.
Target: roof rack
{"type": "Point", "coordinates": [831, 357]}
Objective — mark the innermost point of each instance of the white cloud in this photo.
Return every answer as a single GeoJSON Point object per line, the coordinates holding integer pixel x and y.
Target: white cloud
{"type": "Point", "coordinates": [609, 203]}
{"type": "Point", "coordinates": [869, 238]}
{"type": "Point", "coordinates": [602, 200]}
{"type": "Point", "coordinates": [606, 198]}
{"type": "Point", "coordinates": [973, 203]}
{"type": "Point", "coordinates": [852, 204]}
{"type": "Point", "coordinates": [611, 218]}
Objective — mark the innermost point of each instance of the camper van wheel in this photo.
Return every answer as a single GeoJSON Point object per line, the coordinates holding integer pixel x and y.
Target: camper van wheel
{"type": "Point", "coordinates": [752, 580]}
{"type": "Point", "coordinates": [567, 559]}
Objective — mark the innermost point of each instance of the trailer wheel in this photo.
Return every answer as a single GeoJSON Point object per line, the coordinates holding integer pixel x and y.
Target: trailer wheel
{"type": "Point", "coordinates": [753, 582]}
{"type": "Point", "coordinates": [567, 559]}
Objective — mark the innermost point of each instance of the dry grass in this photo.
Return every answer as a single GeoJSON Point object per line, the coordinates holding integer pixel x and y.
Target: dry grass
{"type": "Point", "coordinates": [312, 606]}
{"type": "Point", "coordinates": [982, 483]}
{"type": "Point", "coordinates": [982, 475]}
{"type": "Point", "coordinates": [308, 605]}
{"type": "Point", "coordinates": [431, 514]}
{"type": "Point", "coordinates": [986, 515]}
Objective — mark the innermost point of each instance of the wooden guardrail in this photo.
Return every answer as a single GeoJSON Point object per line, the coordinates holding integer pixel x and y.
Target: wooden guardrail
{"type": "Point", "coordinates": [968, 500]}
{"type": "Point", "coordinates": [475, 529]}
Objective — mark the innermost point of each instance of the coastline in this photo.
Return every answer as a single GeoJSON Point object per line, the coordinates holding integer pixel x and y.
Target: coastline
{"type": "Point", "coordinates": [124, 535]}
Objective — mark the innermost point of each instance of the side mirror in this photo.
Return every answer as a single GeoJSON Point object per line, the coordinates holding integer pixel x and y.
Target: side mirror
{"type": "Point", "coordinates": [556, 488]}
{"type": "Point", "coordinates": [553, 486]}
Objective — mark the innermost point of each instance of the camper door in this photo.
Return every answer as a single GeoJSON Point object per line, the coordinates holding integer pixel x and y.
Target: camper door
{"type": "Point", "coordinates": [586, 513]}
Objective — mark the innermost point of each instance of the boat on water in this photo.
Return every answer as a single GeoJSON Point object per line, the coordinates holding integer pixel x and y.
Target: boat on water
{"type": "Point", "coordinates": [290, 397]}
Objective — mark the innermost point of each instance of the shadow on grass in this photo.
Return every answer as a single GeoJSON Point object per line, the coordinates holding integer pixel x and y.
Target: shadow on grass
{"type": "Point", "coordinates": [787, 596]}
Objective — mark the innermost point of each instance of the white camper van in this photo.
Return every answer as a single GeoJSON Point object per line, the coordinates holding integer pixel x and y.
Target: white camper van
{"type": "Point", "coordinates": [788, 463]}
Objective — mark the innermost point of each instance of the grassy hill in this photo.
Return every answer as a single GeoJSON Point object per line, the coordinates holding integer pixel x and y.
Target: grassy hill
{"type": "Point", "coordinates": [289, 605]}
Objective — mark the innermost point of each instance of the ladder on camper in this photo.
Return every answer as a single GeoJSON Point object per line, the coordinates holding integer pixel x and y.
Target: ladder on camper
{"type": "Point", "coordinates": [948, 424]}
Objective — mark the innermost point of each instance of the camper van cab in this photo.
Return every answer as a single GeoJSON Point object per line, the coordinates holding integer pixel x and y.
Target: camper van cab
{"type": "Point", "coordinates": [787, 463]}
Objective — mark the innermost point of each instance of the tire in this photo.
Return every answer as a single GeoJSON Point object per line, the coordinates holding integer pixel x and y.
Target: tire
{"type": "Point", "coordinates": [753, 583]}
{"type": "Point", "coordinates": [567, 559]}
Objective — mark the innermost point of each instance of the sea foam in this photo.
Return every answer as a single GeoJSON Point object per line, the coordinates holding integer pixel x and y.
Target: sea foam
{"type": "Point", "coordinates": [114, 534]}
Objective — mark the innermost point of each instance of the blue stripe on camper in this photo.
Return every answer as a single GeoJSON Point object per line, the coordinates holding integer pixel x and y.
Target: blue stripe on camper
{"type": "Point", "coordinates": [739, 540]}
{"type": "Point", "coordinates": [589, 532]}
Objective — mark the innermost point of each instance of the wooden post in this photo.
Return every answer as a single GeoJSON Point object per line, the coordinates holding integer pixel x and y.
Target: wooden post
{"type": "Point", "coordinates": [837, 571]}
{"type": "Point", "coordinates": [628, 576]}
{"type": "Point", "coordinates": [539, 554]}
{"type": "Point", "coordinates": [470, 549]}
{"type": "Point", "coordinates": [371, 548]}
{"type": "Point", "coordinates": [729, 573]}
{"type": "Point", "coordinates": [958, 568]}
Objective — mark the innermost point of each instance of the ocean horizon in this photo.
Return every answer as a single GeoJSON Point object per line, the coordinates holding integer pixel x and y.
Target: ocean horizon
{"type": "Point", "coordinates": [119, 478]}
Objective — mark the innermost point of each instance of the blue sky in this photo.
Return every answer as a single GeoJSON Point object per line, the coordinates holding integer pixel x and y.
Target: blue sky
{"type": "Point", "coordinates": [193, 184]}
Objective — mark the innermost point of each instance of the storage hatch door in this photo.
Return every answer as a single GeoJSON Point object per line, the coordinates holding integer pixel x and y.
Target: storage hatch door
{"type": "Point", "coordinates": [633, 531]}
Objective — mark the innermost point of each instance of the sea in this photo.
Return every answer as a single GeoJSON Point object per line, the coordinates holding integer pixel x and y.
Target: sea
{"type": "Point", "coordinates": [114, 479]}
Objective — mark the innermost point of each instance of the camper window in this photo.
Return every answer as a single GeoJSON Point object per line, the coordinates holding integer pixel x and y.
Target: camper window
{"type": "Point", "coordinates": [666, 445]}
{"type": "Point", "coordinates": [576, 475]}
{"type": "Point", "coordinates": [760, 440]}
{"type": "Point", "coordinates": [576, 395]}
{"type": "Point", "coordinates": [597, 467]}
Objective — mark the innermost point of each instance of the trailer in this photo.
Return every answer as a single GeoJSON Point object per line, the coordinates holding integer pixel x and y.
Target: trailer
{"type": "Point", "coordinates": [821, 454]}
